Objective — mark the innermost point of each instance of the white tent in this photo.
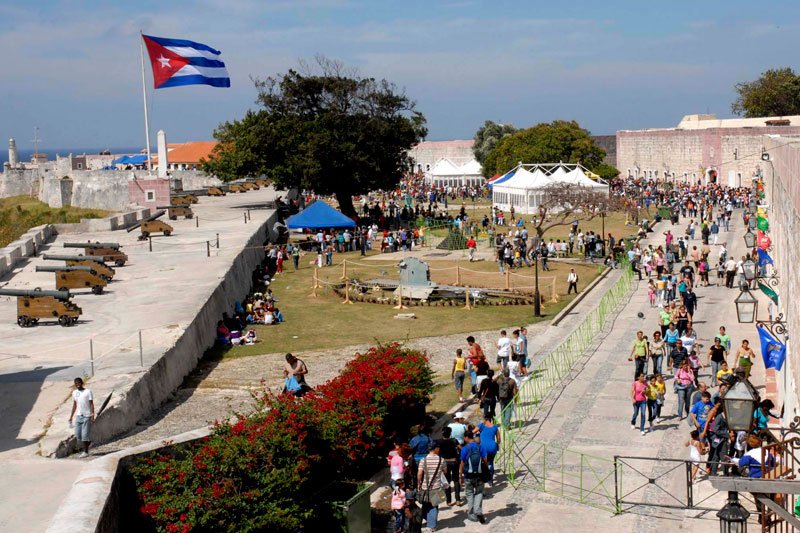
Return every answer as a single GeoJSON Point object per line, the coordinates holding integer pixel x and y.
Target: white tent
{"type": "Point", "coordinates": [524, 191]}
{"type": "Point", "coordinates": [446, 173]}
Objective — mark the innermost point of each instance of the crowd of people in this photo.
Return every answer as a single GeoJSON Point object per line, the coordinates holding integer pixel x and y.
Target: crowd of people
{"type": "Point", "coordinates": [700, 376]}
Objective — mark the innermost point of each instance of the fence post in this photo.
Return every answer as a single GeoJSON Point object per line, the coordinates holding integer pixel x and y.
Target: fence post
{"type": "Point", "coordinates": [196, 222]}
{"type": "Point", "coordinates": [508, 280]}
{"type": "Point", "coordinates": [245, 217]}
{"type": "Point", "coordinates": [466, 293]}
{"type": "Point", "coordinates": [141, 352]}
{"type": "Point", "coordinates": [217, 241]}
{"type": "Point", "coordinates": [314, 285]}
{"type": "Point", "coordinates": [150, 241]}
{"type": "Point", "coordinates": [91, 355]}
{"type": "Point", "coordinates": [347, 292]}
{"type": "Point", "coordinates": [344, 269]}
{"type": "Point", "coordinates": [208, 249]}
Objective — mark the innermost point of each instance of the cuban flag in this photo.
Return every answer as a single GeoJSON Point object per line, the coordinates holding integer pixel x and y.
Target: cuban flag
{"type": "Point", "coordinates": [180, 62]}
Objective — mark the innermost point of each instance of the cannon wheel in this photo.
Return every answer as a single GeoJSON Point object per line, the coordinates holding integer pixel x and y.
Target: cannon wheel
{"type": "Point", "coordinates": [119, 262]}
{"type": "Point", "coordinates": [64, 320]}
{"type": "Point", "coordinates": [173, 217]}
{"type": "Point", "coordinates": [167, 233]}
{"type": "Point", "coordinates": [97, 289]}
{"type": "Point", "coordinates": [23, 321]}
{"type": "Point", "coordinates": [190, 215]}
{"type": "Point", "coordinates": [145, 234]}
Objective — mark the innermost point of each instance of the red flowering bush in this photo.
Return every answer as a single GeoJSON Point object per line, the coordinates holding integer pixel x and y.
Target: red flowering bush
{"type": "Point", "coordinates": [261, 472]}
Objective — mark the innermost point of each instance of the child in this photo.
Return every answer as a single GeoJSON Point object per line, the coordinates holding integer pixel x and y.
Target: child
{"type": "Point", "coordinates": [651, 393]}
{"type": "Point", "coordinates": [651, 293]}
{"type": "Point", "coordinates": [398, 504]}
{"type": "Point", "coordinates": [720, 273]}
{"type": "Point", "coordinates": [661, 390]}
{"type": "Point", "coordinates": [694, 362]}
{"type": "Point", "coordinates": [696, 449]}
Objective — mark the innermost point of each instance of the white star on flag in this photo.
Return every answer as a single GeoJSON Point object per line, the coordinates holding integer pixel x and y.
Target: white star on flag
{"type": "Point", "coordinates": [164, 61]}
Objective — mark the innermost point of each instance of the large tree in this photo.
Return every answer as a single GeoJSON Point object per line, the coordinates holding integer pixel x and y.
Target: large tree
{"type": "Point", "coordinates": [775, 93]}
{"type": "Point", "coordinates": [559, 141]}
{"type": "Point", "coordinates": [325, 128]}
{"type": "Point", "coordinates": [487, 137]}
{"type": "Point", "coordinates": [563, 203]}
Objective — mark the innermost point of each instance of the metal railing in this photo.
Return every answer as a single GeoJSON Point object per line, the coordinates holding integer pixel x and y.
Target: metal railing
{"type": "Point", "coordinates": [567, 473]}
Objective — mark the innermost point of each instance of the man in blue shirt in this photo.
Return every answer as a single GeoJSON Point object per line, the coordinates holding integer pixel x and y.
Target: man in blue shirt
{"type": "Point", "coordinates": [420, 444]}
{"type": "Point", "coordinates": [472, 472]}
{"type": "Point", "coordinates": [699, 412]}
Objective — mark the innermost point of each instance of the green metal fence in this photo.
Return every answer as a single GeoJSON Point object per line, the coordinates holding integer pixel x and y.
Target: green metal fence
{"type": "Point", "coordinates": [567, 473]}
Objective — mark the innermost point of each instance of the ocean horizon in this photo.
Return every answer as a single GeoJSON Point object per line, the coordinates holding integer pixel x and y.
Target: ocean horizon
{"type": "Point", "coordinates": [25, 155]}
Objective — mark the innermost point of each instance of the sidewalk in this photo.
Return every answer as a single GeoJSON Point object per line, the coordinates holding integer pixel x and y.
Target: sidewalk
{"type": "Point", "coordinates": [592, 415]}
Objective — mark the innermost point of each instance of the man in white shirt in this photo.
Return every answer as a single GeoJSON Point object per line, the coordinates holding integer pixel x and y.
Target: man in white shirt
{"type": "Point", "coordinates": [83, 403]}
{"type": "Point", "coordinates": [572, 280]}
{"type": "Point", "coordinates": [503, 349]}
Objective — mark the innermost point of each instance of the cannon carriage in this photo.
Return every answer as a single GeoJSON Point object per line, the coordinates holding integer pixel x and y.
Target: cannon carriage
{"type": "Point", "coordinates": [76, 277]}
{"type": "Point", "coordinates": [175, 211]}
{"type": "Point", "coordinates": [216, 191]}
{"type": "Point", "coordinates": [152, 225]}
{"type": "Point", "coordinates": [109, 251]}
{"type": "Point", "coordinates": [35, 305]}
{"type": "Point", "coordinates": [96, 263]}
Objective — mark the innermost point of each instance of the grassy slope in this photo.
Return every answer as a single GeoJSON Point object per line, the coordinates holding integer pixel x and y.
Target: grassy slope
{"type": "Point", "coordinates": [20, 213]}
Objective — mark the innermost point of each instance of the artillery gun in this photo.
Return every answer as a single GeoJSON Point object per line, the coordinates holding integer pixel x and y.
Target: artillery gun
{"type": "Point", "coordinates": [109, 251]}
{"type": "Point", "coordinates": [184, 199]}
{"type": "Point", "coordinates": [175, 211]}
{"type": "Point", "coordinates": [250, 186]}
{"type": "Point", "coordinates": [152, 225]}
{"type": "Point", "coordinates": [96, 263]}
{"type": "Point", "coordinates": [235, 187]}
{"type": "Point", "coordinates": [76, 277]}
{"type": "Point", "coordinates": [216, 191]}
{"type": "Point", "coordinates": [37, 304]}
{"type": "Point", "coordinates": [262, 182]}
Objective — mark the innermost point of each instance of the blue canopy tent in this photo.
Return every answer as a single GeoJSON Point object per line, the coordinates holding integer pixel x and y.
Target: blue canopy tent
{"type": "Point", "coordinates": [319, 215]}
{"type": "Point", "coordinates": [131, 160]}
{"type": "Point", "coordinates": [505, 177]}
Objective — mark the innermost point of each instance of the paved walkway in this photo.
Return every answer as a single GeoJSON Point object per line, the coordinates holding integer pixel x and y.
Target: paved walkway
{"type": "Point", "coordinates": [592, 415]}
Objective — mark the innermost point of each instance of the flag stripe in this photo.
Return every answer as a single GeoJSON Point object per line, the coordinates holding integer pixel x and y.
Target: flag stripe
{"type": "Point", "coordinates": [204, 62]}
{"type": "Point", "coordinates": [164, 41]}
{"type": "Point", "coordinates": [196, 79]}
{"type": "Point", "coordinates": [192, 70]}
{"type": "Point", "coordinates": [191, 53]}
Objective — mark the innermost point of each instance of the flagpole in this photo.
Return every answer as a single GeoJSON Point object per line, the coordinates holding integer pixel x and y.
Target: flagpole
{"type": "Point", "coordinates": [144, 95]}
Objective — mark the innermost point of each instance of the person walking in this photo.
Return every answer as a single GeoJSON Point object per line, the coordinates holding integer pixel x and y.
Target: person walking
{"type": "Point", "coordinates": [83, 404]}
{"type": "Point", "coordinates": [473, 469]}
{"type": "Point", "coordinates": [489, 436]}
{"type": "Point", "coordinates": [684, 380]}
{"type": "Point", "coordinates": [745, 356]}
{"type": "Point", "coordinates": [639, 353]}
{"type": "Point", "coordinates": [449, 451]}
{"type": "Point", "coordinates": [488, 394]}
{"type": "Point", "coordinates": [572, 280]}
{"type": "Point", "coordinates": [458, 373]}
{"type": "Point", "coordinates": [657, 350]}
{"type": "Point", "coordinates": [429, 481]}
{"type": "Point", "coordinates": [507, 391]}
{"type": "Point", "coordinates": [639, 401]}
{"type": "Point", "coordinates": [503, 349]}
{"type": "Point", "coordinates": [717, 354]}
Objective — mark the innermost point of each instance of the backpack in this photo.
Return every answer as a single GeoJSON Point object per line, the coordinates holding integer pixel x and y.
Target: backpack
{"type": "Point", "coordinates": [504, 389]}
{"type": "Point", "coordinates": [473, 466]}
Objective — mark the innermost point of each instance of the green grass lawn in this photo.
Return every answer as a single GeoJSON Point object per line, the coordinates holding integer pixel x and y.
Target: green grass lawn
{"type": "Point", "coordinates": [18, 214]}
{"type": "Point", "coordinates": [325, 322]}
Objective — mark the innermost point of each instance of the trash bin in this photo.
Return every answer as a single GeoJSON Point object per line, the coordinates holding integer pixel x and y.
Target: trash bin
{"type": "Point", "coordinates": [349, 505]}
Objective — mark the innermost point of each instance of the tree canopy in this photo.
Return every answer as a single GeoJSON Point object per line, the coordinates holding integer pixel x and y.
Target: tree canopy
{"type": "Point", "coordinates": [487, 137]}
{"type": "Point", "coordinates": [560, 140]}
{"type": "Point", "coordinates": [775, 93]}
{"type": "Point", "coordinates": [326, 129]}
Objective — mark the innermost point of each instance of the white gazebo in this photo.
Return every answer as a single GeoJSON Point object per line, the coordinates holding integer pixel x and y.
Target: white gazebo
{"type": "Point", "coordinates": [524, 186]}
{"type": "Point", "coordinates": [446, 173]}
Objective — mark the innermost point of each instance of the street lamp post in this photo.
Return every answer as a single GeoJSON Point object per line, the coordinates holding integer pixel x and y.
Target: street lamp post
{"type": "Point", "coordinates": [746, 306]}
{"type": "Point", "coordinates": [750, 239]}
{"type": "Point", "coordinates": [537, 301]}
{"type": "Point", "coordinates": [733, 517]}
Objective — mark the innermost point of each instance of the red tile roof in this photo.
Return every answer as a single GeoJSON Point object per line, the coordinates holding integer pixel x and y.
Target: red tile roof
{"type": "Point", "coordinates": [189, 153]}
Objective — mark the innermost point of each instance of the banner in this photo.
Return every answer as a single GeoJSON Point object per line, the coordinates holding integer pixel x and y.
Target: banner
{"type": "Point", "coordinates": [772, 350]}
{"type": "Point", "coordinates": [762, 223]}
{"type": "Point", "coordinates": [764, 258]}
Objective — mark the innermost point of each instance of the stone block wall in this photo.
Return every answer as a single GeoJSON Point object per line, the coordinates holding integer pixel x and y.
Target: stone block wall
{"type": "Point", "coordinates": [783, 195]}
{"type": "Point", "coordinates": [661, 153]}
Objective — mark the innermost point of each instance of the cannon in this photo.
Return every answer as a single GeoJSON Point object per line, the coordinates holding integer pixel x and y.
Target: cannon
{"type": "Point", "coordinates": [152, 225]}
{"type": "Point", "coordinates": [175, 211]}
{"type": "Point", "coordinates": [235, 187]}
{"type": "Point", "coordinates": [96, 263]}
{"type": "Point", "coordinates": [184, 199]}
{"type": "Point", "coordinates": [261, 182]}
{"type": "Point", "coordinates": [109, 251]}
{"type": "Point", "coordinates": [76, 277]}
{"type": "Point", "coordinates": [250, 186]}
{"type": "Point", "coordinates": [216, 191]}
{"type": "Point", "coordinates": [34, 305]}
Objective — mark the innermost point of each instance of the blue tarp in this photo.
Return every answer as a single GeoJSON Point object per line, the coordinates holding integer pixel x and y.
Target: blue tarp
{"type": "Point", "coordinates": [130, 160]}
{"type": "Point", "coordinates": [505, 177]}
{"type": "Point", "coordinates": [319, 215]}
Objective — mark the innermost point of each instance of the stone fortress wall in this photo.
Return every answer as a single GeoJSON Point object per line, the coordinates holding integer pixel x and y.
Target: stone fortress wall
{"type": "Point", "coordinates": [782, 188]}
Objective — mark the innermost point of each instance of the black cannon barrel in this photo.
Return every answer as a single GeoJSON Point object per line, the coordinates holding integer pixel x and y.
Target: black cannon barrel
{"type": "Point", "coordinates": [35, 293]}
{"type": "Point", "coordinates": [94, 258]}
{"type": "Point", "coordinates": [174, 207]}
{"type": "Point", "coordinates": [64, 269]}
{"type": "Point", "coordinates": [114, 245]}
{"type": "Point", "coordinates": [157, 214]}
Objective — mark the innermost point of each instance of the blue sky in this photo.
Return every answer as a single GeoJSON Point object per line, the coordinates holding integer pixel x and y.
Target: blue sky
{"type": "Point", "coordinates": [72, 67]}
